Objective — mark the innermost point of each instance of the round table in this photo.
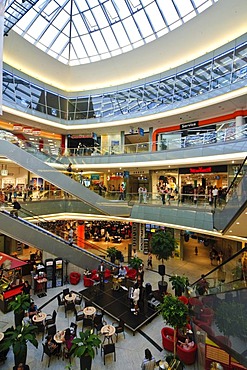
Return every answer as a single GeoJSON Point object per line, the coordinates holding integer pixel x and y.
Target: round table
{"type": "Point", "coordinates": [89, 311]}
{"type": "Point", "coordinates": [108, 331]}
{"type": "Point", "coordinates": [70, 297]}
{"type": "Point", "coordinates": [1, 336]}
{"type": "Point", "coordinates": [59, 336]}
{"type": "Point", "coordinates": [39, 317]}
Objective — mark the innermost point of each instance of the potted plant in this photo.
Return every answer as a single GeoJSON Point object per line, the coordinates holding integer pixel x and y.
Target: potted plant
{"type": "Point", "coordinates": [84, 348]}
{"type": "Point", "coordinates": [179, 284]}
{"type": "Point", "coordinates": [174, 313]}
{"type": "Point", "coordinates": [19, 305]}
{"type": "Point", "coordinates": [112, 253]}
{"type": "Point", "coordinates": [163, 245]}
{"type": "Point", "coordinates": [135, 263]}
{"type": "Point", "coordinates": [18, 338]}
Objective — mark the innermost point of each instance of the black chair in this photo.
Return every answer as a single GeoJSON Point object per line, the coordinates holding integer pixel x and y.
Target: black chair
{"type": "Point", "coordinates": [87, 323]}
{"type": "Point", "coordinates": [98, 322]}
{"type": "Point", "coordinates": [74, 327]}
{"type": "Point", "coordinates": [65, 292]}
{"type": "Point", "coordinates": [78, 299]}
{"type": "Point", "coordinates": [69, 306]}
{"type": "Point", "coordinates": [60, 301]}
{"type": "Point", "coordinates": [48, 353]}
{"type": "Point", "coordinates": [79, 315]}
{"type": "Point", "coordinates": [106, 349]}
{"type": "Point", "coordinates": [119, 328]}
{"type": "Point", "coordinates": [51, 330]}
{"type": "Point", "coordinates": [26, 367]}
{"type": "Point", "coordinates": [52, 319]}
{"type": "Point", "coordinates": [40, 328]}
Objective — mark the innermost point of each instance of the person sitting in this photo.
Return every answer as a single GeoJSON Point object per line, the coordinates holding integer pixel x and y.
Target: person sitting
{"type": "Point", "coordinates": [122, 271]}
{"type": "Point", "coordinates": [68, 338]}
{"type": "Point", "coordinates": [33, 310]}
{"type": "Point", "coordinates": [149, 362]}
{"type": "Point", "coordinates": [52, 345]}
{"type": "Point", "coordinates": [188, 343]}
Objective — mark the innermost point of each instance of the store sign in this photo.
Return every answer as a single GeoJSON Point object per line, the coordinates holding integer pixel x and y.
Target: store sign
{"type": "Point", "coordinates": [17, 128]}
{"type": "Point", "coordinates": [185, 126]}
{"type": "Point", "coordinates": [27, 130]}
{"type": "Point", "coordinates": [4, 172]}
{"type": "Point", "coordinates": [36, 132]}
{"type": "Point", "coordinates": [201, 169]}
{"type": "Point", "coordinates": [94, 177]}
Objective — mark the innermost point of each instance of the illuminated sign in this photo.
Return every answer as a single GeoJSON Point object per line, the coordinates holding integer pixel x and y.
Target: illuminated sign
{"type": "Point", "coordinates": [201, 170]}
{"type": "Point", "coordinates": [185, 126]}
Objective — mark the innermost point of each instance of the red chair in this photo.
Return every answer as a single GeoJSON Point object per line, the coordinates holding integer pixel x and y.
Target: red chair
{"type": "Point", "coordinates": [183, 299]}
{"type": "Point", "coordinates": [88, 281]}
{"type": "Point", "coordinates": [167, 335]}
{"type": "Point", "coordinates": [74, 278]}
{"type": "Point", "coordinates": [207, 315]}
{"type": "Point", "coordinates": [131, 273]}
{"type": "Point", "coordinates": [95, 275]}
{"type": "Point", "coordinates": [107, 274]}
{"type": "Point", "coordinates": [187, 356]}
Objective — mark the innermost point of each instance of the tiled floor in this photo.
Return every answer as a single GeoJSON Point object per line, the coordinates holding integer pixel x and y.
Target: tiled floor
{"type": "Point", "coordinates": [129, 351]}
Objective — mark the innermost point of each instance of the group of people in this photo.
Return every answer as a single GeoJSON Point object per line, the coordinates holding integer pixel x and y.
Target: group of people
{"type": "Point", "coordinates": [55, 348]}
{"type": "Point", "coordinates": [142, 194]}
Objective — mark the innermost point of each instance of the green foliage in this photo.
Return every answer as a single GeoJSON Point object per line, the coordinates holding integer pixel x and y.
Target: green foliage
{"type": "Point", "coordinates": [163, 245]}
{"type": "Point", "coordinates": [230, 318]}
{"type": "Point", "coordinates": [85, 344]}
{"type": "Point", "coordinates": [20, 304]}
{"type": "Point", "coordinates": [111, 252]}
{"type": "Point", "coordinates": [174, 312]}
{"type": "Point", "coordinates": [18, 338]}
{"type": "Point", "coordinates": [179, 283]}
{"type": "Point", "coordinates": [135, 263]}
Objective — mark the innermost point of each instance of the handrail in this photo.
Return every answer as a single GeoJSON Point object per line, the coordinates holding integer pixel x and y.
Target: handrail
{"type": "Point", "coordinates": [236, 176]}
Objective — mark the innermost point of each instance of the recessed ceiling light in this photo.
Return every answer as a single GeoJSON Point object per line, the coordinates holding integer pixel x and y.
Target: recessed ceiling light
{"type": "Point", "coordinates": [237, 223]}
{"type": "Point", "coordinates": [230, 231]}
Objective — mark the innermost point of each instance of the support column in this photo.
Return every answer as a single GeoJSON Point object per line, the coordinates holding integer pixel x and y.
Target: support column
{"type": "Point", "coordinates": [81, 234]}
{"type": "Point", "coordinates": [239, 121]}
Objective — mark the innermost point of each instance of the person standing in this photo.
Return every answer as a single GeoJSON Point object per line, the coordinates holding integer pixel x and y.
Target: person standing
{"type": "Point", "coordinates": [69, 170]}
{"type": "Point", "coordinates": [135, 297]}
{"type": "Point", "coordinates": [149, 362]}
{"type": "Point", "coordinates": [140, 194]}
{"type": "Point", "coordinates": [16, 208]}
{"type": "Point", "coordinates": [215, 195]}
{"type": "Point", "coordinates": [101, 271]}
{"type": "Point", "coordinates": [26, 288]}
{"type": "Point", "coordinates": [150, 261]}
{"type": "Point", "coordinates": [144, 194]}
{"type": "Point", "coordinates": [71, 236]}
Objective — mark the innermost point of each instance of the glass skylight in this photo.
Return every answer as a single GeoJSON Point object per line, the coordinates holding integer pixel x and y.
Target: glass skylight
{"type": "Point", "coordinates": [84, 31]}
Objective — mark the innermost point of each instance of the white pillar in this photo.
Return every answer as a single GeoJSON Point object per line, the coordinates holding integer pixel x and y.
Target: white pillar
{"type": "Point", "coordinates": [239, 121]}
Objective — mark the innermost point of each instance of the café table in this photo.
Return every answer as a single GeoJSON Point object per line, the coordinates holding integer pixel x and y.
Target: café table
{"type": "Point", "coordinates": [59, 336]}
{"type": "Point", "coordinates": [108, 331]}
{"type": "Point", "coordinates": [89, 311]}
{"type": "Point", "coordinates": [1, 336]}
{"type": "Point", "coordinates": [39, 317]}
{"type": "Point", "coordinates": [70, 297]}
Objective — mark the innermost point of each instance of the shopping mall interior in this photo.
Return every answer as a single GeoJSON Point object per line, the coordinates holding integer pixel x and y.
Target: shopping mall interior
{"type": "Point", "coordinates": [120, 120]}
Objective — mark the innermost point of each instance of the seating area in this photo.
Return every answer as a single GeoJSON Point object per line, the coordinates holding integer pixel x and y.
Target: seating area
{"type": "Point", "coordinates": [74, 278]}
{"type": "Point", "coordinates": [187, 356]}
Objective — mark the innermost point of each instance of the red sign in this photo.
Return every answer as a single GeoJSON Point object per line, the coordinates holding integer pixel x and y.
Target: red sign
{"type": "Point", "coordinates": [201, 170]}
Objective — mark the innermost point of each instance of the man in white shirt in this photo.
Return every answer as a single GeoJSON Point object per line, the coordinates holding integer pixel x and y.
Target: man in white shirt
{"type": "Point", "coordinates": [215, 195]}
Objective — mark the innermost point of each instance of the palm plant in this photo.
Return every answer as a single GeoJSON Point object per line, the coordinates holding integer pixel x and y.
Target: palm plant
{"type": "Point", "coordinates": [19, 305]}
{"type": "Point", "coordinates": [18, 339]}
{"type": "Point", "coordinates": [84, 347]}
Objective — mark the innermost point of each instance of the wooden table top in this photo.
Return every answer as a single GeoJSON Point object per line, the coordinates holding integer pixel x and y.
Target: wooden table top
{"type": "Point", "coordinates": [70, 297]}
{"type": "Point", "coordinates": [108, 330]}
{"type": "Point", "coordinates": [89, 311]}
{"type": "Point", "coordinates": [59, 336]}
{"type": "Point", "coordinates": [39, 317]}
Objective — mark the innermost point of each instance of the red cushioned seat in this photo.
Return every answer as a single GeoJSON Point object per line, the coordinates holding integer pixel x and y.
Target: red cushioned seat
{"type": "Point", "coordinates": [88, 281]}
{"type": "Point", "coordinates": [187, 356]}
{"type": "Point", "coordinates": [167, 335]}
{"type": "Point", "coordinates": [74, 278]}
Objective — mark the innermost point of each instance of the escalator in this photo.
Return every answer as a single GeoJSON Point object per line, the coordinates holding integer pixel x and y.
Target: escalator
{"type": "Point", "coordinates": [57, 178]}
{"type": "Point", "coordinates": [236, 201]}
{"type": "Point", "coordinates": [221, 308]}
{"type": "Point", "coordinates": [31, 234]}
